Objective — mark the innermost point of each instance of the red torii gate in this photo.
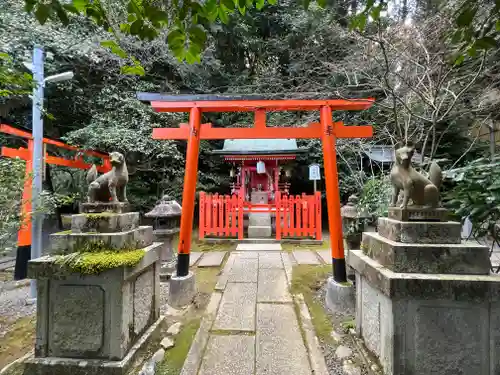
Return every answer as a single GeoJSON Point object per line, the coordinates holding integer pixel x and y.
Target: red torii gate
{"type": "Point", "coordinates": [24, 233]}
{"type": "Point", "coordinates": [326, 130]}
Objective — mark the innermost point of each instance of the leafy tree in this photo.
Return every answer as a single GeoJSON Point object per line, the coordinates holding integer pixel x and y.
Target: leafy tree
{"type": "Point", "coordinates": [12, 173]}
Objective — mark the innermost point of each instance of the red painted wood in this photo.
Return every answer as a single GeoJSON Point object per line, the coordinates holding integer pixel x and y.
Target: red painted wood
{"type": "Point", "coordinates": [240, 217]}
{"type": "Point", "coordinates": [313, 130]}
{"type": "Point", "coordinates": [277, 200]}
{"type": "Point", "coordinates": [318, 216]}
{"type": "Point", "coordinates": [209, 212]}
{"type": "Point", "coordinates": [305, 216]}
{"type": "Point", "coordinates": [201, 226]}
{"type": "Point", "coordinates": [268, 105]}
{"type": "Point", "coordinates": [298, 216]}
{"type": "Point", "coordinates": [227, 215]}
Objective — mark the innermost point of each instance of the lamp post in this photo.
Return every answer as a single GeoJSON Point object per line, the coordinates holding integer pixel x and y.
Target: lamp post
{"type": "Point", "coordinates": [37, 157]}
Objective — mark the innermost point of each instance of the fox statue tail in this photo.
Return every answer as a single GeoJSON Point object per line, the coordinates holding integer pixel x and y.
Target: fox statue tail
{"type": "Point", "coordinates": [436, 175]}
{"type": "Point", "coordinates": [91, 174]}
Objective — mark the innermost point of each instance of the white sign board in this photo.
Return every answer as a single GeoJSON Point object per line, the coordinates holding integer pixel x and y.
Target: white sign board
{"type": "Point", "coordinates": [314, 174]}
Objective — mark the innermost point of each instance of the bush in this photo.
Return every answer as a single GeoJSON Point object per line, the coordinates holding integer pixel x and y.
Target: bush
{"type": "Point", "coordinates": [12, 175]}
{"type": "Point", "coordinates": [375, 197]}
{"type": "Point", "coordinates": [476, 195]}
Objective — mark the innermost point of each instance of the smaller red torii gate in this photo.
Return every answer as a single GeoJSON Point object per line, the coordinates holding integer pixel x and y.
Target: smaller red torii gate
{"type": "Point", "coordinates": [326, 130]}
{"type": "Point", "coordinates": [24, 233]}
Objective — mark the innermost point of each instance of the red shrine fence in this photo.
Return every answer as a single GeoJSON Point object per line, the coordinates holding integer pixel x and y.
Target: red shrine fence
{"type": "Point", "coordinates": [222, 216]}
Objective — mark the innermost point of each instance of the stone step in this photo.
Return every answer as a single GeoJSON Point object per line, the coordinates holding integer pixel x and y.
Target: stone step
{"type": "Point", "coordinates": [466, 258]}
{"type": "Point", "coordinates": [446, 232]}
{"type": "Point", "coordinates": [255, 231]}
{"type": "Point", "coordinates": [259, 247]}
{"type": "Point", "coordinates": [105, 222]}
{"type": "Point", "coordinates": [68, 242]}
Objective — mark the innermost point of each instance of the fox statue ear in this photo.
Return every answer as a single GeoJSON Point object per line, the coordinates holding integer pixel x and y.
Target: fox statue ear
{"type": "Point", "coordinates": [399, 145]}
{"type": "Point", "coordinates": [410, 144]}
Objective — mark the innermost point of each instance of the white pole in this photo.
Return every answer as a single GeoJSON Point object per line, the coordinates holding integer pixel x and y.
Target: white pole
{"type": "Point", "coordinates": [37, 131]}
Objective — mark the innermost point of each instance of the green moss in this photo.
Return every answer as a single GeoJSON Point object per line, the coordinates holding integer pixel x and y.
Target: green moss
{"type": "Point", "coordinates": [348, 324]}
{"type": "Point", "coordinates": [307, 280]}
{"type": "Point", "coordinates": [175, 357]}
{"type": "Point", "coordinates": [89, 263]}
{"type": "Point", "coordinates": [99, 215]}
{"type": "Point", "coordinates": [64, 232]}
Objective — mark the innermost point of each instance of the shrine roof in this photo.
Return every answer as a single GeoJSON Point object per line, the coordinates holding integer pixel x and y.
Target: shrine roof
{"type": "Point", "coordinates": [259, 146]}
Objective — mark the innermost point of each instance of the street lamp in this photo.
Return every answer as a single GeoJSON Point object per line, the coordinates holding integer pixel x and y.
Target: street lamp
{"type": "Point", "coordinates": [37, 132]}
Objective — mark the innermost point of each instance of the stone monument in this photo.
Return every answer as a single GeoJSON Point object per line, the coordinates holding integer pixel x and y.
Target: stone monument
{"type": "Point", "coordinates": [166, 215]}
{"type": "Point", "coordinates": [425, 301]}
{"type": "Point", "coordinates": [98, 292]}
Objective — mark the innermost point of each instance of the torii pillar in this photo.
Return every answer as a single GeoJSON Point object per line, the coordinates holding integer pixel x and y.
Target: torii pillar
{"type": "Point", "coordinates": [326, 130]}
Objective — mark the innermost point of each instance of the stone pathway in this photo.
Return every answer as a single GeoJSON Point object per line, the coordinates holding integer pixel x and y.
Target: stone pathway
{"type": "Point", "coordinates": [250, 326]}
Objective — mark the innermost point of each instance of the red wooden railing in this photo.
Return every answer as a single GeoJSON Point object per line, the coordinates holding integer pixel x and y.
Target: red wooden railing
{"type": "Point", "coordinates": [298, 216]}
{"type": "Point", "coordinates": [221, 216]}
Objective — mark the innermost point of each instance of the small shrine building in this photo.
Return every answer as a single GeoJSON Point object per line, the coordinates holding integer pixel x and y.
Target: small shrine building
{"type": "Point", "coordinates": [260, 166]}
{"type": "Point", "coordinates": [260, 195]}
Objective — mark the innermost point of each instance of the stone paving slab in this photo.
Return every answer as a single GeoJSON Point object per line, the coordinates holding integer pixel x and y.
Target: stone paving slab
{"type": "Point", "coordinates": [259, 247]}
{"type": "Point", "coordinates": [224, 277]}
{"type": "Point", "coordinates": [306, 257]}
{"type": "Point", "coordinates": [272, 286]}
{"type": "Point", "coordinates": [244, 270]}
{"type": "Point", "coordinates": [212, 259]}
{"type": "Point", "coordinates": [194, 257]}
{"type": "Point", "coordinates": [237, 308]}
{"type": "Point", "coordinates": [279, 344]}
{"type": "Point", "coordinates": [325, 255]}
{"type": "Point", "coordinates": [270, 260]}
{"type": "Point", "coordinates": [229, 355]}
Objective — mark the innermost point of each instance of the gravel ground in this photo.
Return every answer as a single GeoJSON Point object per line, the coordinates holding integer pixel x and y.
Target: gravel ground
{"type": "Point", "coordinates": [351, 365]}
{"type": "Point", "coordinates": [13, 296]}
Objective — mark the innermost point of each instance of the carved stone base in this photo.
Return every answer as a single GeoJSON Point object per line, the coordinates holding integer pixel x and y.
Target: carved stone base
{"type": "Point", "coordinates": [418, 213]}
{"type": "Point", "coordinates": [98, 207]}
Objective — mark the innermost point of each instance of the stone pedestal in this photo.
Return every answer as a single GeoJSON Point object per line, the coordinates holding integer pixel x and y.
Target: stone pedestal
{"type": "Point", "coordinates": [425, 302]}
{"type": "Point", "coordinates": [259, 225]}
{"type": "Point", "coordinates": [94, 323]}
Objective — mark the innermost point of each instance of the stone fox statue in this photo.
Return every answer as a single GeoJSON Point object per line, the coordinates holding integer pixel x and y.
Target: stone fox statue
{"type": "Point", "coordinates": [111, 185]}
{"type": "Point", "coordinates": [422, 191]}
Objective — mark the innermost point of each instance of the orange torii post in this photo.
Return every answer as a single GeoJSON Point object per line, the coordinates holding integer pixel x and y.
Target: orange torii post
{"type": "Point", "coordinates": [24, 233]}
{"type": "Point", "coordinates": [326, 130]}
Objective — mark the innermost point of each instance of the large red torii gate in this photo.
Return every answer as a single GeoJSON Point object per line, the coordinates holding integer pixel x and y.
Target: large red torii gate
{"type": "Point", "coordinates": [326, 130]}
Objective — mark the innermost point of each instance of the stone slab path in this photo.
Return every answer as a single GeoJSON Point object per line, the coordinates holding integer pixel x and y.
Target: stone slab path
{"type": "Point", "coordinates": [212, 259]}
{"type": "Point", "coordinates": [251, 326]}
{"type": "Point", "coordinates": [194, 257]}
{"type": "Point", "coordinates": [259, 247]}
{"type": "Point", "coordinates": [306, 257]}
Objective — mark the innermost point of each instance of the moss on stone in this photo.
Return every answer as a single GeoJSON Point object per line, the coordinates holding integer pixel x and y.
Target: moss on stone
{"type": "Point", "coordinates": [91, 263]}
{"type": "Point", "coordinates": [64, 232]}
{"type": "Point", "coordinates": [99, 215]}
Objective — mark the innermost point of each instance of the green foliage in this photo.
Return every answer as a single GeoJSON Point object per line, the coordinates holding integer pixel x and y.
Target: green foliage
{"type": "Point", "coordinates": [186, 21]}
{"type": "Point", "coordinates": [375, 197]}
{"type": "Point", "coordinates": [12, 81]}
{"type": "Point", "coordinates": [12, 175]}
{"type": "Point", "coordinates": [95, 262]}
{"type": "Point", "coordinates": [477, 195]}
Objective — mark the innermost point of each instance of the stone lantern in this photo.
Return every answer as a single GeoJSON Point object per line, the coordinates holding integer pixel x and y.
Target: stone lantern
{"type": "Point", "coordinates": [353, 225]}
{"type": "Point", "coordinates": [166, 217]}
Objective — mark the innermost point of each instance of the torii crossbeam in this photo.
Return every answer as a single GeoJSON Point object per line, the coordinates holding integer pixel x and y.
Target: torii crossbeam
{"type": "Point", "coordinates": [26, 154]}
{"type": "Point", "coordinates": [326, 130]}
